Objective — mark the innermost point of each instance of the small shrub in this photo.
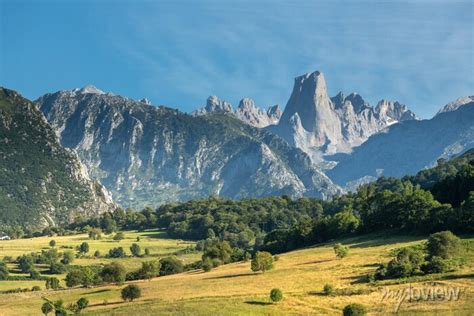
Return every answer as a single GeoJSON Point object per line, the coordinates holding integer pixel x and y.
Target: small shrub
{"type": "Point", "coordinates": [116, 253]}
{"type": "Point", "coordinates": [113, 273]}
{"type": "Point", "coordinates": [437, 265]}
{"type": "Point", "coordinates": [207, 265]}
{"type": "Point", "coordinates": [276, 295]}
{"type": "Point", "coordinates": [354, 309]}
{"type": "Point", "coordinates": [147, 251]}
{"type": "Point", "coordinates": [97, 254]}
{"type": "Point", "coordinates": [81, 304]}
{"type": "Point", "coordinates": [52, 283]}
{"type": "Point", "coordinates": [276, 258]}
{"type": "Point", "coordinates": [84, 248]}
{"type": "Point", "coordinates": [119, 236]}
{"type": "Point", "coordinates": [57, 268]}
{"type": "Point", "coordinates": [131, 292]}
{"type": "Point", "coordinates": [36, 288]}
{"type": "Point", "coordinates": [35, 275]}
{"type": "Point", "coordinates": [328, 289]}
{"type": "Point", "coordinates": [340, 250]}
{"type": "Point", "coordinates": [95, 234]}
{"type": "Point", "coordinates": [47, 308]}
{"type": "Point", "coordinates": [52, 243]}
{"type": "Point", "coordinates": [216, 262]}
{"type": "Point", "coordinates": [263, 261]}
{"type": "Point", "coordinates": [68, 257]}
{"type": "Point", "coordinates": [171, 265]}
{"type": "Point", "coordinates": [443, 244]}
{"type": "Point", "coordinates": [135, 250]}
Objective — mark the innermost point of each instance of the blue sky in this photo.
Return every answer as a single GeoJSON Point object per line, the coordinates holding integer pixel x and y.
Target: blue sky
{"type": "Point", "coordinates": [177, 53]}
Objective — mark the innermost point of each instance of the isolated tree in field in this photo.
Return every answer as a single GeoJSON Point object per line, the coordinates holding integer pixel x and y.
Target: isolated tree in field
{"type": "Point", "coordinates": [340, 250]}
{"type": "Point", "coordinates": [443, 244]}
{"type": "Point", "coordinates": [328, 289]}
{"type": "Point", "coordinates": [147, 251]}
{"type": "Point", "coordinates": [80, 305]}
{"type": "Point", "coordinates": [52, 243]}
{"type": "Point", "coordinates": [138, 238]}
{"type": "Point", "coordinates": [113, 273]}
{"type": "Point", "coordinates": [135, 250]}
{"type": "Point", "coordinates": [117, 253]}
{"type": "Point", "coordinates": [276, 295]}
{"type": "Point", "coordinates": [262, 261]}
{"type": "Point", "coordinates": [95, 234]}
{"type": "Point", "coordinates": [97, 254]}
{"type": "Point", "coordinates": [68, 257]}
{"type": "Point", "coordinates": [354, 309]}
{"type": "Point", "coordinates": [131, 292]}
{"type": "Point", "coordinates": [84, 248]}
{"type": "Point", "coordinates": [47, 308]}
{"type": "Point", "coordinates": [52, 283]}
{"type": "Point", "coordinates": [171, 265]}
{"type": "Point", "coordinates": [119, 236]}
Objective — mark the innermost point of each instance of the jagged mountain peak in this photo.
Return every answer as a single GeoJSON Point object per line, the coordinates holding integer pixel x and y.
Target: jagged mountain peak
{"type": "Point", "coordinates": [214, 104]}
{"type": "Point", "coordinates": [274, 112]}
{"type": "Point", "coordinates": [146, 155]}
{"type": "Point", "coordinates": [88, 89]}
{"type": "Point", "coordinates": [246, 103]}
{"type": "Point", "coordinates": [453, 106]}
{"type": "Point", "coordinates": [146, 101]}
{"type": "Point", "coordinates": [337, 124]}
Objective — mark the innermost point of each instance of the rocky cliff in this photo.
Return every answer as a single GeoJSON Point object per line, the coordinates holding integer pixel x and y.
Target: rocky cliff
{"type": "Point", "coordinates": [321, 125]}
{"type": "Point", "coordinates": [150, 155]}
{"type": "Point", "coordinates": [408, 147]}
{"type": "Point", "coordinates": [41, 183]}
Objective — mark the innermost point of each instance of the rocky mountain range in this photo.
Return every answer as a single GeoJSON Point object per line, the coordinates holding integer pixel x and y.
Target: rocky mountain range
{"type": "Point", "coordinates": [247, 111]}
{"type": "Point", "coordinates": [321, 125]}
{"type": "Point", "coordinates": [409, 146]}
{"type": "Point", "coordinates": [41, 183]}
{"type": "Point", "coordinates": [147, 154]}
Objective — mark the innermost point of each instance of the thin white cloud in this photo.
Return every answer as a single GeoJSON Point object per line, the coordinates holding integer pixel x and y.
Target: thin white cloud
{"type": "Point", "coordinates": [404, 51]}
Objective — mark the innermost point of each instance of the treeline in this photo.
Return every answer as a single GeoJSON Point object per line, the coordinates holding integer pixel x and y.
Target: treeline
{"type": "Point", "coordinates": [441, 198]}
{"type": "Point", "coordinates": [436, 199]}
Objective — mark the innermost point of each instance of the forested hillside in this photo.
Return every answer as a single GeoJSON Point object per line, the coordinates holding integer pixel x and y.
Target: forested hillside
{"type": "Point", "coordinates": [436, 199]}
{"type": "Point", "coordinates": [41, 183]}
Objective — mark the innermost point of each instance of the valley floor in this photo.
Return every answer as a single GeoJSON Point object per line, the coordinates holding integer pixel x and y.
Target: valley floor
{"type": "Point", "coordinates": [234, 289]}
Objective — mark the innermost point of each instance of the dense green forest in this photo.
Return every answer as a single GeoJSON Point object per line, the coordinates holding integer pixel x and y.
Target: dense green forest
{"type": "Point", "coordinates": [436, 199]}
{"type": "Point", "coordinates": [37, 180]}
{"type": "Point", "coordinates": [440, 198]}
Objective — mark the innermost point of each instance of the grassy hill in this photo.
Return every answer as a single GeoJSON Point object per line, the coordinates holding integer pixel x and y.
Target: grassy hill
{"type": "Point", "coordinates": [234, 289]}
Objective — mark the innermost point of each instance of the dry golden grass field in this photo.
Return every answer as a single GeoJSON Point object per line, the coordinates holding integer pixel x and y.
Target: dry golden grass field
{"type": "Point", "coordinates": [234, 289]}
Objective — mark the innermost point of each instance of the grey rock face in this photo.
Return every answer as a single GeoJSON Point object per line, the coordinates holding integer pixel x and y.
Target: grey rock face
{"type": "Point", "coordinates": [453, 106]}
{"type": "Point", "coordinates": [274, 114]}
{"type": "Point", "coordinates": [247, 111]}
{"type": "Point", "coordinates": [151, 155]}
{"type": "Point", "coordinates": [407, 147]}
{"type": "Point", "coordinates": [214, 105]}
{"type": "Point", "coordinates": [320, 125]}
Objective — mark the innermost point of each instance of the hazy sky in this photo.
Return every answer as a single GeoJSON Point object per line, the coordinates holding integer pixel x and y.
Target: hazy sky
{"type": "Point", "coordinates": [177, 53]}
